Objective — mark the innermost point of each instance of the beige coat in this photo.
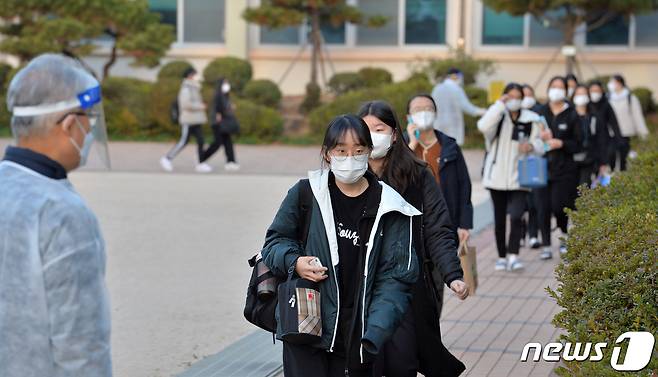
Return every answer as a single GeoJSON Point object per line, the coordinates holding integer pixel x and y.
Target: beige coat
{"type": "Point", "coordinates": [190, 104]}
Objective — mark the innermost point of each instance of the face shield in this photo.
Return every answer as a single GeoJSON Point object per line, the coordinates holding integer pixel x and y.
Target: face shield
{"type": "Point", "coordinates": [90, 103]}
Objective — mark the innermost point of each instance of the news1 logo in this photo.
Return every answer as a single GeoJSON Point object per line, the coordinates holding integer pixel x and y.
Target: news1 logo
{"type": "Point", "coordinates": [638, 354]}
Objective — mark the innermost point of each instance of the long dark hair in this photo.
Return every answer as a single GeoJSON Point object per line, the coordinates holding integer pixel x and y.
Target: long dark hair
{"type": "Point", "coordinates": [557, 78]}
{"type": "Point", "coordinates": [513, 86]}
{"type": "Point", "coordinates": [401, 167]}
{"type": "Point", "coordinates": [339, 127]}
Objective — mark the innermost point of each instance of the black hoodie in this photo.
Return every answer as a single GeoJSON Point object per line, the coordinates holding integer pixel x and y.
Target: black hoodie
{"type": "Point", "coordinates": [566, 127]}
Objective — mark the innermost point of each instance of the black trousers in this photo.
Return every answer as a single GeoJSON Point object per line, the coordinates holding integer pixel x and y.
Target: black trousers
{"type": "Point", "coordinates": [533, 220]}
{"type": "Point", "coordinates": [515, 201]}
{"type": "Point", "coordinates": [624, 148]}
{"type": "Point", "coordinates": [562, 194]}
{"type": "Point", "coordinates": [220, 139]}
{"type": "Point", "coordinates": [541, 200]}
{"type": "Point", "coordinates": [305, 361]}
{"type": "Point", "coordinates": [186, 132]}
{"type": "Point", "coordinates": [585, 172]}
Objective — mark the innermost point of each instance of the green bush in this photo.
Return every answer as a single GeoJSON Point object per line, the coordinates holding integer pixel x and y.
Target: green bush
{"type": "Point", "coordinates": [164, 93]}
{"type": "Point", "coordinates": [645, 96]}
{"type": "Point", "coordinates": [312, 98]}
{"type": "Point", "coordinates": [470, 67]}
{"type": "Point", "coordinates": [372, 77]}
{"type": "Point", "coordinates": [5, 69]}
{"type": "Point", "coordinates": [5, 116]}
{"type": "Point", "coordinates": [396, 94]}
{"type": "Point", "coordinates": [237, 71]}
{"type": "Point", "coordinates": [472, 137]}
{"type": "Point", "coordinates": [258, 123]}
{"type": "Point", "coordinates": [343, 82]}
{"type": "Point", "coordinates": [126, 105]}
{"type": "Point", "coordinates": [264, 92]}
{"type": "Point", "coordinates": [174, 70]}
{"type": "Point", "coordinates": [607, 286]}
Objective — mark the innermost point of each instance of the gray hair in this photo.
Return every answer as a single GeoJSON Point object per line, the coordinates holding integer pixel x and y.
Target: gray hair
{"type": "Point", "coordinates": [47, 79]}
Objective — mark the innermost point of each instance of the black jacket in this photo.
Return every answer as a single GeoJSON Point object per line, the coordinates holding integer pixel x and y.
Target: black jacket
{"type": "Point", "coordinates": [434, 235]}
{"type": "Point", "coordinates": [455, 182]}
{"type": "Point", "coordinates": [611, 138]}
{"type": "Point", "coordinates": [566, 127]}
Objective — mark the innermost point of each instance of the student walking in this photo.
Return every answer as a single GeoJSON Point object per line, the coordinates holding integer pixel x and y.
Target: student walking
{"type": "Point", "coordinates": [192, 116]}
{"type": "Point", "coordinates": [629, 115]}
{"type": "Point", "coordinates": [224, 123]}
{"type": "Point", "coordinates": [592, 159]}
{"type": "Point", "coordinates": [510, 132]}
{"type": "Point", "coordinates": [562, 140]}
{"type": "Point", "coordinates": [360, 229]}
{"type": "Point", "coordinates": [529, 102]}
{"type": "Point", "coordinates": [416, 345]}
{"type": "Point", "coordinates": [453, 102]}
{"type": "Point", "coordinates": [605, 115]}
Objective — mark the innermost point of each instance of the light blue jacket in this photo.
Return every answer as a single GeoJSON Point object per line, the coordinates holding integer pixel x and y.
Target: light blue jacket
{"type": "Point", "coordinates": [54, 309]}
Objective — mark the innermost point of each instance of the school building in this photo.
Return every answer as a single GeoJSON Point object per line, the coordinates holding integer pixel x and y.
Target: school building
{"type": "Point", "coordinates": [522, 47]}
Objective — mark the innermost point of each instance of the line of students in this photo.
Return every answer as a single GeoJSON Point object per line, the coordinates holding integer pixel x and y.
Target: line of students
{"type": "Point", "coordinates": [581, 135]}
{"type": "Point", "coordinates": [385, 219]}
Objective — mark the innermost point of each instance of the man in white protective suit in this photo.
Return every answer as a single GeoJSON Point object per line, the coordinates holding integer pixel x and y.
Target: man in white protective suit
{"type": "Point", "coordinates": [54, 309]}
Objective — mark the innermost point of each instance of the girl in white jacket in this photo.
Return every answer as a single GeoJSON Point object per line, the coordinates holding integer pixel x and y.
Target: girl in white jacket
{"type": "Point", "coordinates": [629, 115]}
{"type": "Point", "coordinates": [510, 132]}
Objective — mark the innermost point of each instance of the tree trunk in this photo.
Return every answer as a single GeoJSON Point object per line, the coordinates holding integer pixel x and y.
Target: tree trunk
{"type": "Point", "coordinates": [569, 33]}
{"type": "Point", "coordinates": [113, 59]}
{"type": "Point", "coordinates": [315, 39]}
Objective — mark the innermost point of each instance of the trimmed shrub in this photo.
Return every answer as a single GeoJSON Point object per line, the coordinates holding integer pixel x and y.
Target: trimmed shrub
{"type": "Point", "coordinates": [5, 69]}
{"type": "Point", "coordinates": [126, 105]}
{"type": "Point", "coordinates": [645, 96]}
{"type": "Point", "coordinates": [396, 94]}
{"type": "Point", "coordinates": [5, 116]}
{"type": "Point", "coordinates": [373, 77]}
{"type": "Point", "coordinates": [607, 286]}
{"type": "Point", "coordinates": [312, 99]}
{"type": "Point", "coordinates": [237, 71]}
{"type": "Point", "coordinates": [164, 93]}
{"type": "Point", "coordinates": [472, 137]}
{"type": "Point", "coordinates": [343, 82]}
{"type": "Point", "coordinates": [258, 123]}
{"type": "Point", "coordinates": [174, 70]}
{"type": "Point", "coordinates": [263, 92]}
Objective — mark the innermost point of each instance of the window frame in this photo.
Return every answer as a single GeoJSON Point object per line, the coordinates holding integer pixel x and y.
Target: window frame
{"type": "Point", "coordinates": [180, 42]}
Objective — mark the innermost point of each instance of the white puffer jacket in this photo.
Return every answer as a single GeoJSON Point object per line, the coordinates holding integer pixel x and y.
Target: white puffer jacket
{"type": "Point", "coordinates": [501, 164]}
{"type": "Point", "coordinates": [190, 104]}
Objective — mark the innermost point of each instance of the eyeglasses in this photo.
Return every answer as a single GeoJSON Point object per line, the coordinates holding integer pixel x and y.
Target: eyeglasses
{"type": "Point", "coordinates": [340, 154]}
{"type": "Point", "coordinates": [91, 115]}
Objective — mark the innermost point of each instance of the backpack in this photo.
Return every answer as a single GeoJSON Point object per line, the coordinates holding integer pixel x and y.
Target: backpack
{"type": "Point", "coordinates": [174, 111]}
{"type": "Point", "coordinates": [260, 309]}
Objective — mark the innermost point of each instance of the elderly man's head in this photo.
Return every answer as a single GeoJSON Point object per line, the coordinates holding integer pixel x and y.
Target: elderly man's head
{"type": "Point", "coordinates": [45, 118]}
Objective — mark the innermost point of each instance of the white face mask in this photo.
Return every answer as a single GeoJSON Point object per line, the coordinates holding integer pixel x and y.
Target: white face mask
{"type": "Point", "coordinates": [424, 119]}
{"type": "Point", "coordinates": [581, 100]}
{"type": "Point", "coordinates": [528, 102]}
{"type": "Point", "coordinates": [513, 105]}
{"type": "Point", "coordinates": [570, 91]}
{"type": "Point", "coordinates": [612, 86]}
{"type": "Point", "coordinates": [596, 96]}
{"type": "Point", "coordinates": [556, 94]}
{"type": "Point", "coordinates": [226, 87]}
{"type": "Point", "coordinates": [86, 144]}
{"type": "Point", "coordinates": [349, 170]}
{"type": "Point", "coordinates": [381, 144]}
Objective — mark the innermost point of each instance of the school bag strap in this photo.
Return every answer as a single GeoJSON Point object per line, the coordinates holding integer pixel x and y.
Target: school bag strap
{"type": "Point", "coordinates": [304, 206]}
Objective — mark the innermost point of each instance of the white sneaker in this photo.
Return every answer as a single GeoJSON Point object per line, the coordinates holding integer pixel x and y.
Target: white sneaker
{"type": "Point", "coordinates": [534, 243]}
{"type": "Point", "coordinates": [546, 253]}
{"type": "Point", "coordinates": [203, 168]}
{"type": "Point", "coordinates": [232, 166]}
{"type": "Point", "coordinates": [513, 263]}
{"type": "Point", "coordinates": [501, 264]}
{"type": "Point", "coordinates": [166, 165]}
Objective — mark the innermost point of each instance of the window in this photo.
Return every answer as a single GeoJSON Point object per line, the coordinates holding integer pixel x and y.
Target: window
{"type": "Point", "coordinates": [285, 36]}
{"type": "Point", "coordinates": [203, 21]}
{"type": "Point", "coordinates": [167, 10]}
{"type": "Point", "coordinates": [386, 35]}
{"type": "Point", "coordinates": [543, 33]}
{"type": "Point", "coordinates": [646, 30]}
{"type": "Point", "coordinates": [501, 28]}
{"type": "Point", "coordinates": [425, 22]}
{"type": "Point", "coordinates": [613, 32]}
{"type": "Point", "coordinates": [332, 34]}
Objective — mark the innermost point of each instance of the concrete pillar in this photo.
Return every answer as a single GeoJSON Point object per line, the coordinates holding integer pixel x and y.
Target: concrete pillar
{"type": "Point", "coordinates": [237, 36]}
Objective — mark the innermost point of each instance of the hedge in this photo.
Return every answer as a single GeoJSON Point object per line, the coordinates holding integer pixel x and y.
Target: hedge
{"type": "Point", "coordinates": [607, 284]}
{"type": "Point", "coordinates": [343, 82]}
{"type": "Point", "coordinates": [645, 96]}
{"type": "Point", "coordinates": [264, 92]}
{"type": "Point", "coordinates": [372, 77]}
{"type": "Point", "coordinates": [258, 123]}
{"type": "Point", "coordinates": [396, 94]}
{"type": "Point", "coordinates": [237, 71]}
{"type": "Point", "coordinates": [174, 70]}
{"type": "Point", "coordinates": [126, 105]}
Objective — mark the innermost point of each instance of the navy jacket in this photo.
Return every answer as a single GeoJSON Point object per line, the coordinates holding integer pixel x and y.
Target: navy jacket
{"type": "Point", "coordinates": [455, 182]}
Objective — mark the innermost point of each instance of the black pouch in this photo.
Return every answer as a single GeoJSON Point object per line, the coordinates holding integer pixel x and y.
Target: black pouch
{"type": "Point", "coordinates": [299, 311]}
